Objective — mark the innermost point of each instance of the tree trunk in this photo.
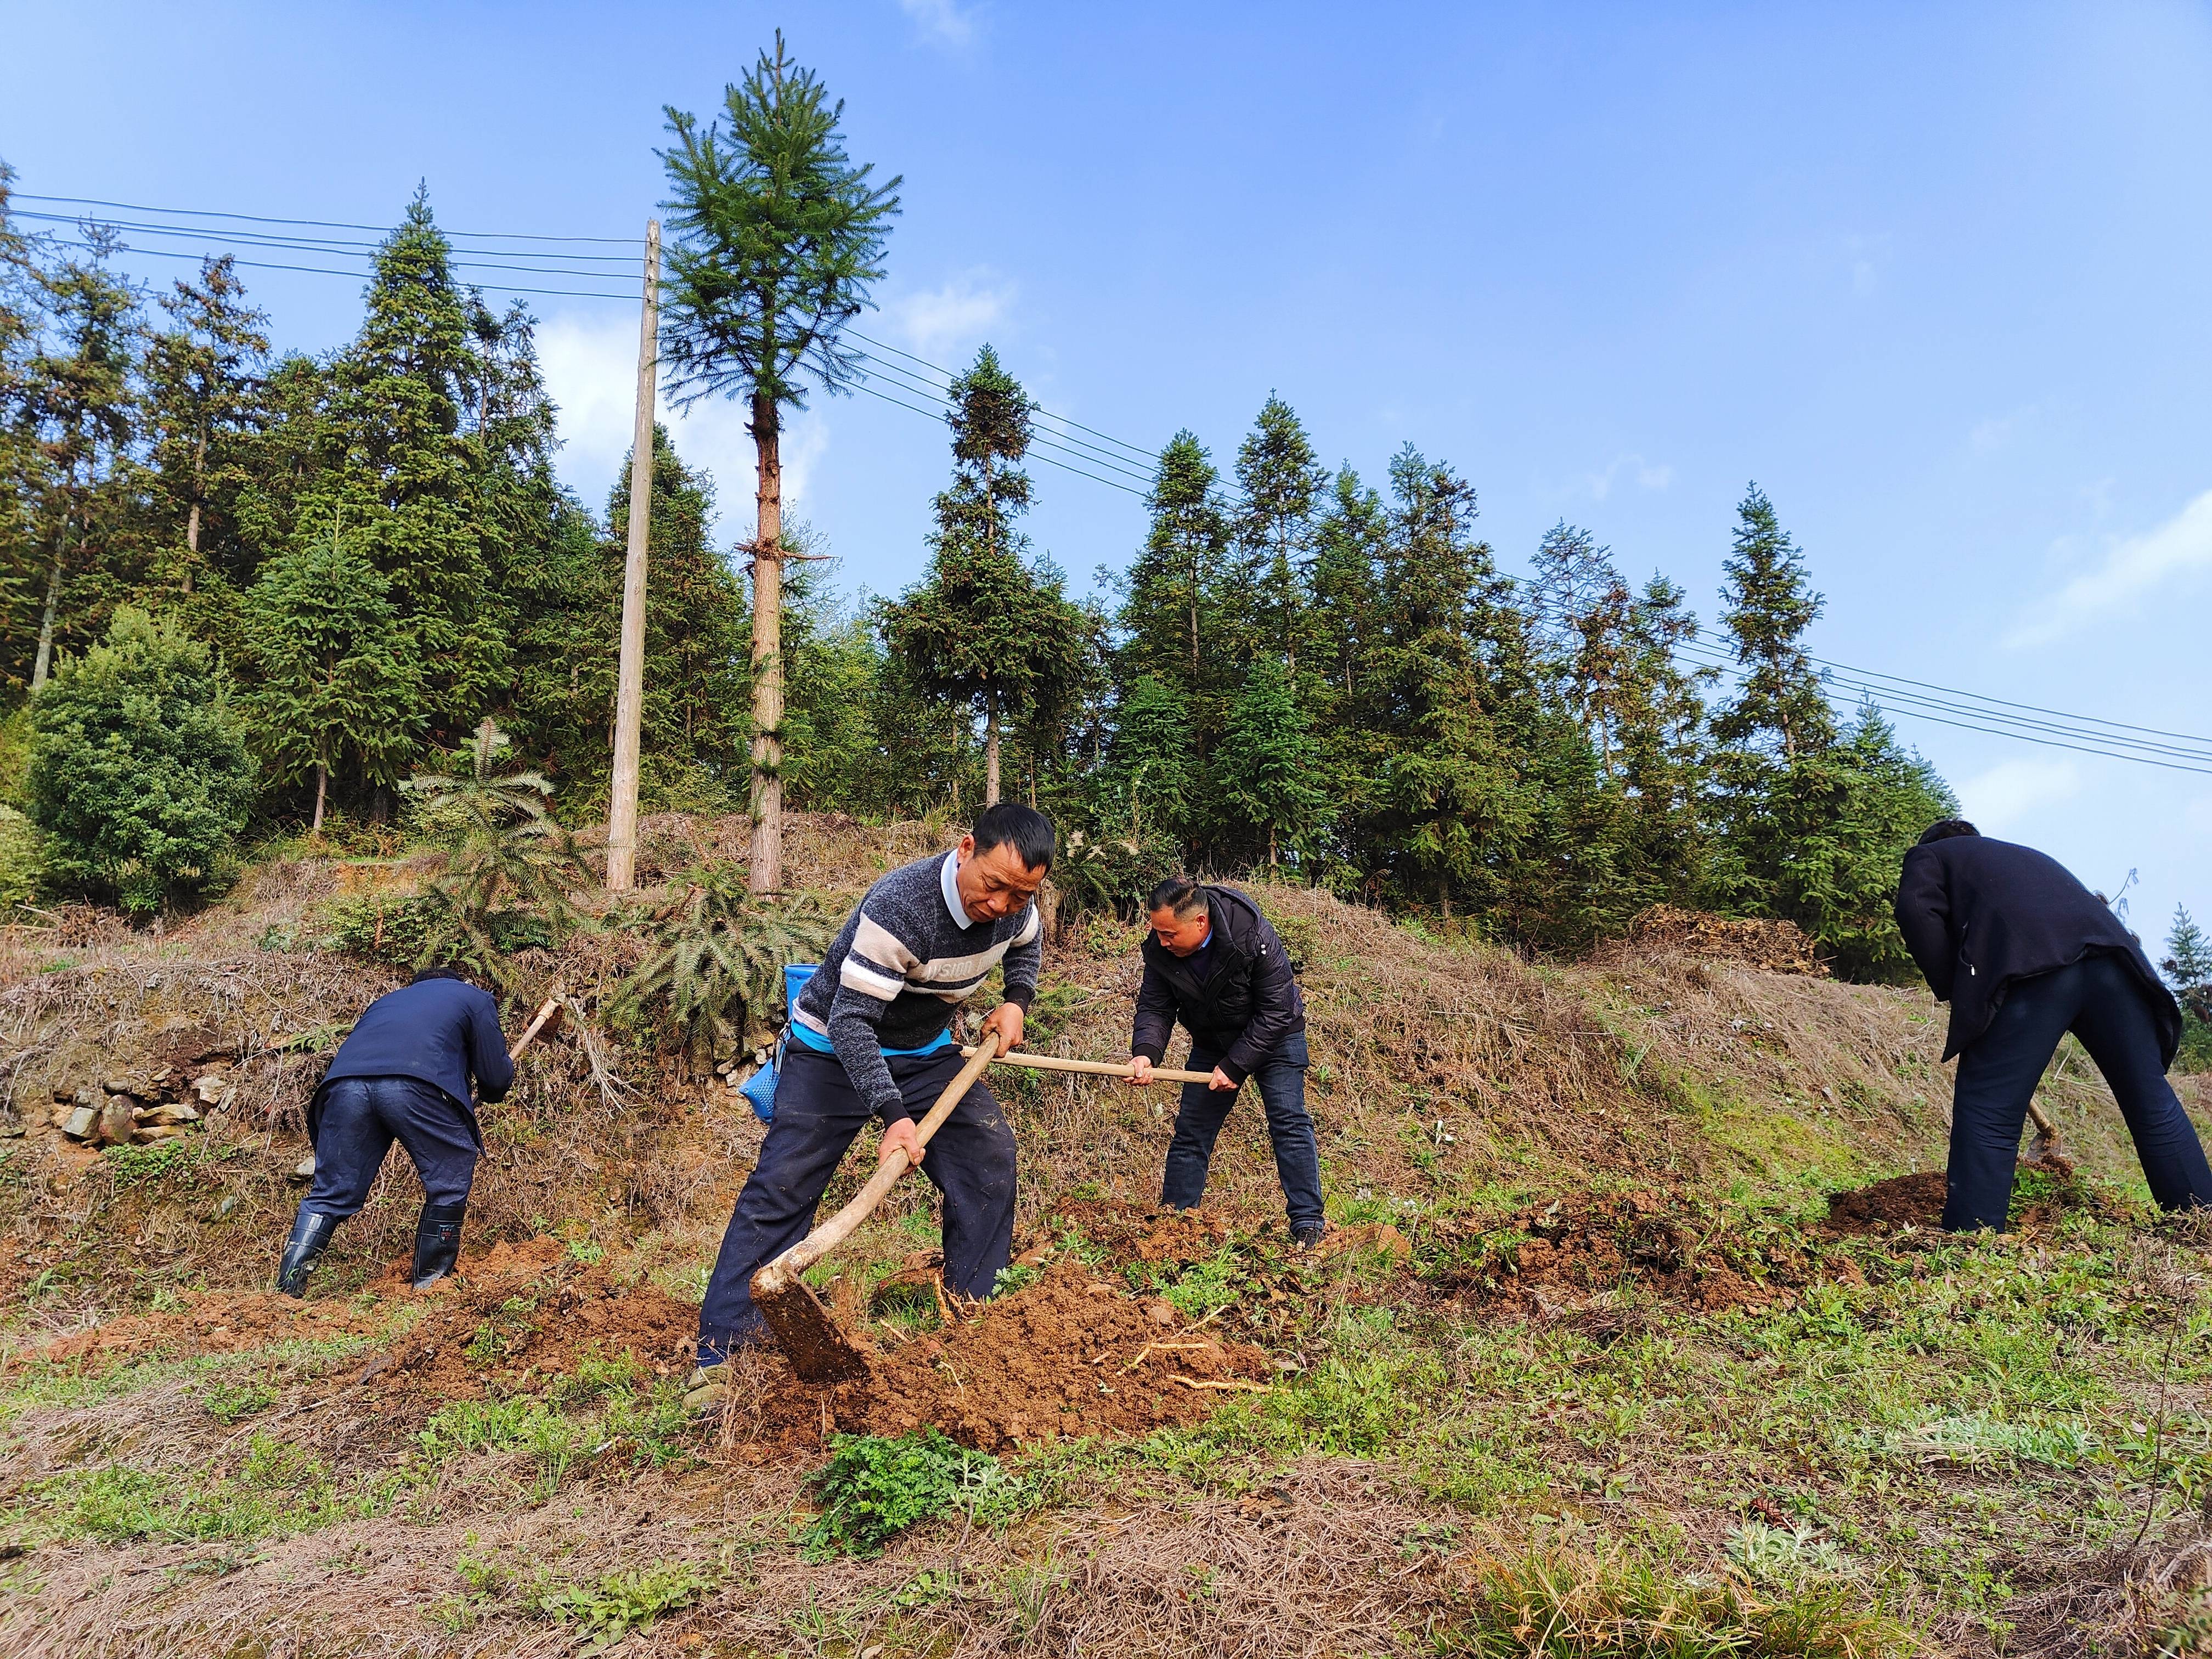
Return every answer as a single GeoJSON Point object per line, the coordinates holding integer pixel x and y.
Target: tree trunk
{"type": "Point", "coordinates": [192, 517]}
{"type": "Point", "coordinates": [767, 873]}
{"type": "Point", "coordinates": [322, 782]}
{"type": "Point", "coordinates": [991, 753]}
{"type": "Point", "coordinates": [45, 661]}
{"type": "Point", "coordinates": [1270, 850]}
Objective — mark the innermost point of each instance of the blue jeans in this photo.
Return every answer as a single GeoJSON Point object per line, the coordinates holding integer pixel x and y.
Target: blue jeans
{"type": "Point", "coordinates": [818, 1113]}
{"type": "Point", "coordinates": [2100, 1001]}
{"type": "Point", "coordinates": [358, 1118]}
{"type": "Point", "coordinates": [1281, 1076]}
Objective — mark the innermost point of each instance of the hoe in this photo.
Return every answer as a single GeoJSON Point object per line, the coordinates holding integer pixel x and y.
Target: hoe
{"type": "Point", "coordinates": [818, 1351]}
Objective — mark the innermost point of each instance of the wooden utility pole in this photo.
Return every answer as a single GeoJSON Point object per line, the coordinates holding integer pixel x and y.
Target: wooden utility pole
{"type": "Point", "coordinates": [630, 690]}
{"type": "Point", "coordinates": [766, 875]}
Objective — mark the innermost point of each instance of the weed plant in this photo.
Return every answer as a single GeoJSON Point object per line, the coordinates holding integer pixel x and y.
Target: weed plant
{"type": "Point", "coordinates": [874, 1488]}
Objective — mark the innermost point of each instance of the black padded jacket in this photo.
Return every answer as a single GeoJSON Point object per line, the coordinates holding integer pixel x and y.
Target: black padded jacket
{"type": "Point", "coordinates": [1237, 997]}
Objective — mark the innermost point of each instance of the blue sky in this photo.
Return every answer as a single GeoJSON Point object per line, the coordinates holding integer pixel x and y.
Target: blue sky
{"type": "Point", "coordinates": [1933, 276]}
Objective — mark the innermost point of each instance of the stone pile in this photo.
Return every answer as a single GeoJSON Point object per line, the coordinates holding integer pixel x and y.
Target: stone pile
{"type": "Point", "coordinates": [135, 1108]}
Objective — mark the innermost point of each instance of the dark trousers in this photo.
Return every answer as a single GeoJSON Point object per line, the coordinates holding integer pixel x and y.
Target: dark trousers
{"type": "Point", "coordinates": [970, 1159]}
{"type": "Point", "coordinates": [359, 1118]}
{"type": "Point", "coordinates": [2098, 999]}
{"type": "Point", "coordinates": [1282, 1080]}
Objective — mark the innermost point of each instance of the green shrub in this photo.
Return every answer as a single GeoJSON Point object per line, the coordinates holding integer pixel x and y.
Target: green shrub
{"type": "Point", "coordinates": [139, 773]}
{"type": "Point", "coordinates": [874, 1488]}
{"type": "Point", "coordinates": [622, 1601]}
{"type": "Point", "coordinates": [22, 864]}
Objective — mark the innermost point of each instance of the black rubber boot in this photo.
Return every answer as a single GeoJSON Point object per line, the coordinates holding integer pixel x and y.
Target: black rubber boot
{"type": "Point", "coordinates": [311, 1237]}
{"type": "Point", "coordinates": [437, 1241]}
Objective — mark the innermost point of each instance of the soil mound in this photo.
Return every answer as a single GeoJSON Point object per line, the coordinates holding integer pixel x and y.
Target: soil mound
{"type": "Point", "coordinates": [1905, 1200]}
{"type": "Point", "coordinates": [1070, 1355]}
{"type": "Point", "coordinates": [1129, 1232]}
{"type": "Point", "coordinates": [1547, 1260]}
{"type": "Point", "coordinates": [1780, 947]}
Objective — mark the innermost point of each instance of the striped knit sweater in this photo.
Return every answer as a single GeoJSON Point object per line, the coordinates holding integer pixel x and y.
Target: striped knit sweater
{"type": "Point", "coordinates": [904, 960]}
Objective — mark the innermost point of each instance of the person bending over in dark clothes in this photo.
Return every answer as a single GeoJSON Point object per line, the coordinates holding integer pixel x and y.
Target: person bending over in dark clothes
{"type": "Point", "coordinates": [404, 1073]}
{"type": "Point", "coordinates": [871, 1037]}
{"type": "Point", "coordinates": [1212, 962]}
{"type": "Point", "coordinates": [2024, 954]}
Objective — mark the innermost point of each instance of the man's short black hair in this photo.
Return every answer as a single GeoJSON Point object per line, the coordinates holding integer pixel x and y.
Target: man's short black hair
{"type": "Point", "coordinates": [1025, 828]}
{"type": "Point", "coordinates": [443, 971]}
{"type": "Point", "coordinates": [1944, 828]}
{"type": "Point", "coordinates": [1182, 896]}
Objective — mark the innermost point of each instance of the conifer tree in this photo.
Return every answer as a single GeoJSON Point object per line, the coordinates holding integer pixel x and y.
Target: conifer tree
{"type": "Point", "coordinates": [1268, 769]}
{"type": "Point", "coordinates": [1173, 595]}
{"type": "Point", "coordinates": [203, 401]}
{"type": "Point", "coordinates": [405, 475]}
{"type": "Point", "coordinates": [1280, 483]}
{"type": "Point", "coordinates": [1583, 616]}
{"type": "Point", "coordinates": [1348, 542]}
{"type": "Point", "coordinates": [1450, 663]}
{"type": "Point", "coordinates": [2188, 965]}
{"type": "Point", "coordinates": [83, 406]}
{"type": "Point", "coordinates": [1151, 781]}
{"type": "Point", "coordinates": [337, 678]}
{"type": "Point", "coordinates": [1780, 709]}
{"type": "Point", "coordinates": [138, 773]}
{"type": "Point", "coordinates": [778, 238]}
{"type": "Point", "coordinates": [982, 628]}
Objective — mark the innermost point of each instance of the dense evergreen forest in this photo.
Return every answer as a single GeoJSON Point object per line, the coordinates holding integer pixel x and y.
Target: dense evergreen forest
{"type": "Point", "coordinates": [325, 572]}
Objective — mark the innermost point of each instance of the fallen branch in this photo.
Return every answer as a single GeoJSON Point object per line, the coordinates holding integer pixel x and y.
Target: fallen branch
{"type": "Point", "coordinates": [1201, 1382]}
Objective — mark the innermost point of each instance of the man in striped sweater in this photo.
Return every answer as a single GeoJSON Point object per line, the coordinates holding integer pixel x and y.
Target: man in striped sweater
{"type": "Point", "coordinates": [871, 1037]}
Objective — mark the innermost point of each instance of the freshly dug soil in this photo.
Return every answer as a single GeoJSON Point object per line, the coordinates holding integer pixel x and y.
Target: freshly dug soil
{"type": "Point", "coordinates": [1652, 1241]}
{"type": "Point", "coordinates": [1135, 1232]}
{"type": "Point", "coordinates": [1070, 1355]}
{"type": "Point", "coordinates": [1905, 1200]}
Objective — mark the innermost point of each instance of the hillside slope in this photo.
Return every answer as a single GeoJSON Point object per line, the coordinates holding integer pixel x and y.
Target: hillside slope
{"type": "Point", "coordinates": [1585, 1315]}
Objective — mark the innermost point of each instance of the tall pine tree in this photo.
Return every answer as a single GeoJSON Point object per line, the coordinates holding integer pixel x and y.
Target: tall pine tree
{"type": "Point", "coordinates": [1268, 771]}
{"type": "Point", "coordinates": [982, 628]}
{"type": "Point", "coordinates": [337, 678]}
{"type": "Point", "coordinates": [778, 238]}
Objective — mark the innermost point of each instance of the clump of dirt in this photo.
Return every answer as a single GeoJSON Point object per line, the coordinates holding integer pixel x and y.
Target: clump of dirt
{"type": "Point", "coordinates": [1129, 1232]}
{"type": "Point", "coordinates": [1779, 947]}
{"type": "Point", "coordinates": [1544, 1260]}
{"type": "Point", "coordinates": [528, 1312]}
{"type": "Point", "coordinates": [516, 1311]}
{"type": "Point", "coordinates": [219, 1322]}
{"type": "Point", "coordinates": [1069, 1355]}
{"type": "Point", "coordinates": [1905, 1200]}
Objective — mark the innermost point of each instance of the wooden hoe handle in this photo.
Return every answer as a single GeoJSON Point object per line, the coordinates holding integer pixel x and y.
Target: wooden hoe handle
{"type": "Point", "coordinates": [839, 1227]}
{"type": "Point", "coordinates": [548, 1011]}
{"type": "Point", "coordinates": [1096, 1067]}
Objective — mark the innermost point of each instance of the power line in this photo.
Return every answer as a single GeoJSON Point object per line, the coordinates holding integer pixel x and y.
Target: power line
{"type": "Point", "coordinates": [938, 415]}
{"type": "Point", "coordinates": [912, 382]}
{"type": "Point", "coordinates": [1891, 698]}
{"type": "Point", "coordinates": [323, 270]}
{"type": "Point", "coordinates": [1146, 455]}
{"type": "Point", "coordinates": [321, 224]}
{"type": "Point", "coordinates": [1991, 730]}
{"type": "Point", "coordinates": [345, 247]}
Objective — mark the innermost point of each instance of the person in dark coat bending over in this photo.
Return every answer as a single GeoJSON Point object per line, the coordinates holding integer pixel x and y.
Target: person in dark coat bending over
{"type": "Point", "coordinates": [872, 1038]}
{"type": "Point", "coordinates": [1212, 962]}
{"type": "Point", "coordinates": [2024, 954]}
{"type": "Point", "coordinates": [404, 1073]}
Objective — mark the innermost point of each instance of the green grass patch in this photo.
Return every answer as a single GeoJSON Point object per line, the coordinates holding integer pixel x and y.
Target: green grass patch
{"type": "Point", "coordinates": [874, 1488]}
{"type": "Point", "coordinates": [278, 1489]}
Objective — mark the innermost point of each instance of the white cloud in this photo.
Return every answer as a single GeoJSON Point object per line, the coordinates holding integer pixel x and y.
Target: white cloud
{"type": "Point", "coordinates": [2132, 568]}
{"type": "Point", "coordinates": [2003, 797]}
{"type": "Point", "coordinates": [950, 320]}
{"type": "Point", "coordinates": [1648, 475]}
{"type": "Point", "coordinates": [942, 20]}
{"type": "Point", "coordinates": [590, 363]}
{"type": "Point", "coordinates": [1998, 431]}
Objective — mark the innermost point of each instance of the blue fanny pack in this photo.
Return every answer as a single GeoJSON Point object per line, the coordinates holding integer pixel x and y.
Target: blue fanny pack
{"type": "Point", "coordinates": [760, 1087]}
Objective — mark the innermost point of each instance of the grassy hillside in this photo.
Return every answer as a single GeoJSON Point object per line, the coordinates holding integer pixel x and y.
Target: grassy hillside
{"type": "Point", "coordinates": [1587, 1370]}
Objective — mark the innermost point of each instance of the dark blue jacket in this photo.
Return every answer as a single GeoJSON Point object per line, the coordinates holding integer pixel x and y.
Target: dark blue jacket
{"type": "Point", "coordinates": [438, 1030]}
{"type": "Point", "coordinates": [1237, 996]}
{"type": "Point", "coordinates": [1979, 913]}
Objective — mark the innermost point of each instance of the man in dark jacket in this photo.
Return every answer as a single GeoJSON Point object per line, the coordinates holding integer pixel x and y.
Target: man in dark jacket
{"type": "Point", "coordinates": [2024, 954]}
{"type": "Point", "coordinates": [403, 1074]}
{"type": "Point", "coordinates": [1212, 962]}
